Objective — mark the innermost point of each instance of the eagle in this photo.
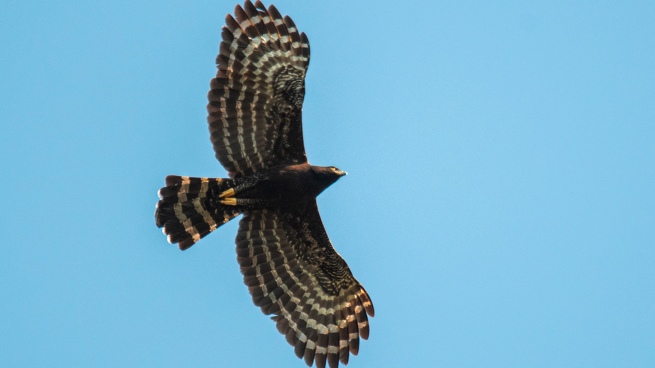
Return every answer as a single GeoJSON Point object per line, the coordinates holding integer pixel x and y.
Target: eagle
{"type": "Point", "coordinates": [289, 265]}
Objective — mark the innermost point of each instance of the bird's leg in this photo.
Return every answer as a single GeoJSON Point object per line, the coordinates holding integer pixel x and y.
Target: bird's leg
{"type": "Point", "coordinates": [228, 196]}
{"type": "Point", "coordinates": [231, 201]}
{"type": "Point", "coordinates": [243, 184]}
{"type": "Point", "coordinates": [246, 202]}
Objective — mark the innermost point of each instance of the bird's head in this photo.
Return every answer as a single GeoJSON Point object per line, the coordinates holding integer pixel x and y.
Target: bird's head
{"type": "Point", "coordinates": [327, 175]}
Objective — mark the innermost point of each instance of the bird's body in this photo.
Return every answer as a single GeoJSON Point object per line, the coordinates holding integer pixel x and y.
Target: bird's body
{"type": "Point", "coordinates": [255, 122]}
{"type": "Point", "coordinates": [285, 185]}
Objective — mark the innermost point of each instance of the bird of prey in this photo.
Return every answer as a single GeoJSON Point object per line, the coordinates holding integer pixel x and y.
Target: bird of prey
{"type": "Point", "coordinates": [255, 121]}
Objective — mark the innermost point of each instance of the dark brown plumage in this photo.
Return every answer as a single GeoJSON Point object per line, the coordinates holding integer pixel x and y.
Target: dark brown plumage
{"type": "Point", "coordinates": [287, 260]}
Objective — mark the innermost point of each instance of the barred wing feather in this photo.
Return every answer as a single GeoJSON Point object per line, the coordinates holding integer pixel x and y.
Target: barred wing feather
{"type": "Point", "coordinates": [293, 272]}
{"type": "Point", "coordinates": [255, 101]}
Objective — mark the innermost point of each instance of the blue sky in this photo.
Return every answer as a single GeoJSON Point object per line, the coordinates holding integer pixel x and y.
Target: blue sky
{"type": "Point", "coordinates": [499, 207]}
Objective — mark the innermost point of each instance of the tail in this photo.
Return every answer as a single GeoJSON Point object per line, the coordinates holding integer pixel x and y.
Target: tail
{"type": "Point", "coordinates": [188, 209]}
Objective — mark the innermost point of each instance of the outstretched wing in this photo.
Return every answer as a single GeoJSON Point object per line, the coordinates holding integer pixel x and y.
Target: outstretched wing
{"type": "Point", "coordinates": [255, 101]}
{"type": "Point", "coordinates": [293, 272]}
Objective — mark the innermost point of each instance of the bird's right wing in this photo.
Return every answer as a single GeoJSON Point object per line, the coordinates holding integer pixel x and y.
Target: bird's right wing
{"type": "Point", "coordinates": [255, 101]}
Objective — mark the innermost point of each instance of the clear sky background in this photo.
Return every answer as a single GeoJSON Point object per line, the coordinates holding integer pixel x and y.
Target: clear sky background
{"type": "Point", "coordinates": [499, 207]}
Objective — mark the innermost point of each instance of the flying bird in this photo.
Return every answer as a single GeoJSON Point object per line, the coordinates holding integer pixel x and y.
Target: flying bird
{"type": "Point", "coordinates": [287, 260]}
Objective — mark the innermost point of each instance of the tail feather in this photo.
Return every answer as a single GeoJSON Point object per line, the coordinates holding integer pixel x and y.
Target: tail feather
{"type": "Point", "coordinates": [186, 211]}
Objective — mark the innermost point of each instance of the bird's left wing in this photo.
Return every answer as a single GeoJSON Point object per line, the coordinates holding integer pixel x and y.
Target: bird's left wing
{"type": "Point", "coordinates": [293, 272]}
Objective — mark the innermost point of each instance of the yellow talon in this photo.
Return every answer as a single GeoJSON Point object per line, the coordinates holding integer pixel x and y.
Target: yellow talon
{"type": "Point", "coordinates": [229, 201]}
{"type": "Point", "coordinates": [228, 193]}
